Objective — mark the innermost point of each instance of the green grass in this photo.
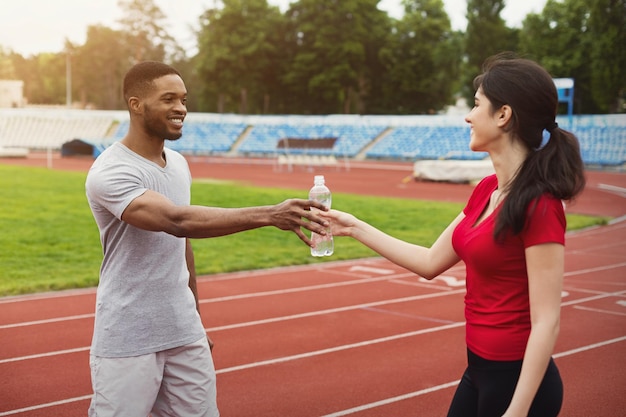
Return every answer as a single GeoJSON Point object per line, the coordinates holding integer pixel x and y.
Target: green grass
{"type": "Point", "coordinates": [49, 240]}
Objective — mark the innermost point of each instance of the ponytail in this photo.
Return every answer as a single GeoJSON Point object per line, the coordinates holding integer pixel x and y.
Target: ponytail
{"type": "Point", "coordinates": [557, 169]}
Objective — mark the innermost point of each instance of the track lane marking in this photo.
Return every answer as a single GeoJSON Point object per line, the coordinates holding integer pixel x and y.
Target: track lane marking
{"type": "Point", "coordinates": [340, 348]}
{"type": "Point", "coordinates": [265, 321]}
{"type": "Point", "coordinates": [451, 384]}
{"type": "Point", "coordinates": [594, 269]}
{"type": "Point", "coordinates": [599, 310]}
{"type": "Point", "coordinates": [46, 405]}
{"type": "Point", "coordinates": [350, 410]}
{"type": "Point", "coordinates": [333, 310]}
{"type": "Point", "coordinates": [305, 288]}
{"type": "Point", "coordinates": [47, 321]}
{"type": "Point", "coordinates": [46, 354]}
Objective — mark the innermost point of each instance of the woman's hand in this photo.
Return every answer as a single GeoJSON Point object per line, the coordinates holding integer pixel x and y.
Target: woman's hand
{"type": "Point", "coordinates": [341, 223]}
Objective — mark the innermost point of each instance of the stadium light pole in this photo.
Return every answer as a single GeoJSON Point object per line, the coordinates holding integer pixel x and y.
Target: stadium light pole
{"type": "Point", "coordinates": [68, 75]}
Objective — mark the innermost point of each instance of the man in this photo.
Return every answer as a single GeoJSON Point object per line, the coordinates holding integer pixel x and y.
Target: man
{"type": "Point", "coordinates": [150, 353]}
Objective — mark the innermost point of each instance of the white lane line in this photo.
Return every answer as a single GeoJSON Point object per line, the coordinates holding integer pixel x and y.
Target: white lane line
{"type": "Point", "coordinates": [335, 267]}
{"type": "Point", "coordinates": [408, 315]}
{"type": "Point", "coordinates": [589, 347]}
{"type": "Point", "coordinates": [593, 298]}
{"type": "Point", "coordinates": [392, 399]}
{"type": "Point", "coordinates": [47, 321]}
{"type": "Point", "coordinates": [450, 384]}
{"type": "Point", "coordinates": [340, 348]}
{"type": "Point", "coordinates": [621, 191]}
{"type": "Point", "coordinates": [41, 406]}
{"type": "Point", "coordinates": [274, 292]}
{"type": "Point", "coordinates": [311, 314]}
{"type": "Point", "coordinates": [350, 410]}
{"type": "Point", "coordinates": [229, 298]}
{"type": "Point", "coordinates": [47, 295]}
{"type": "Point", "coordinates": [599, 310]}
{"type": "Point", "coordinates": [596, 269]}
{"type": "Point", "coordinates": [43, 355]}
{"type": "Point", "coordinates": [306, 288]}
{"type": "Point", "coordinates": [257, 322]}
{"type": "Point", "coordinates": [332, 310]}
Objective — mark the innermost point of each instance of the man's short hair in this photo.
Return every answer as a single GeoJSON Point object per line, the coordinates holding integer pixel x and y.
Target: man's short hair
{"type": "Point", "coordinates": [139, 79]}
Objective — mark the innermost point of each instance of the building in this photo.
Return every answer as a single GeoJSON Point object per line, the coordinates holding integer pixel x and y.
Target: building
{"type": "Point", "coordinates": [12, 93]}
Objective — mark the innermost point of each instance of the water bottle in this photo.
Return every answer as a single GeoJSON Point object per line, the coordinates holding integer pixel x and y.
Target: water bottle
{"type": "Point", "coordinates": [323, 245]}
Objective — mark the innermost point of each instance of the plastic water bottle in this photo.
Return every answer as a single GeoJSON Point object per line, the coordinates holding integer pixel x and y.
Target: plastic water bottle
{"type": "Point", "coordinates": [323, 244]}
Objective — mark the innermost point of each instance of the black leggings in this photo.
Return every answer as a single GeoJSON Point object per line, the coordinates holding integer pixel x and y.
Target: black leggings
{"type": "Point", "coordinates": [486, 389]}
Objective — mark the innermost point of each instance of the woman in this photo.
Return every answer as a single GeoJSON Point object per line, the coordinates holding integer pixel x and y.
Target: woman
{"type": "Point", "coordinates": [511, 237]}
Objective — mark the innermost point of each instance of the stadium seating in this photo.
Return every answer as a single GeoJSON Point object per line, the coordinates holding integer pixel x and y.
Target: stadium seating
{"type": "Point", "coordinates": [201, 138]}
{"type": "Point", "coordinates": [45, 129]}
{"type": "Point", "coordinates": [426, 142]}
{"type": "Point", "coordinates": [263, 138]}
{"type": "Point", "coordinates": [602, 137]}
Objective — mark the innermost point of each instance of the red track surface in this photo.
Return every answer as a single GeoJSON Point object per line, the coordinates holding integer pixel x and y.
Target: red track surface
{"type": "Point", "coordinates": [360, 338]}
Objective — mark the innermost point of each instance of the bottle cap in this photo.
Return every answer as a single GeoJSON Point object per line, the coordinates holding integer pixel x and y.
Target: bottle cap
{"type": "Point", "coordinates": [318, 178]}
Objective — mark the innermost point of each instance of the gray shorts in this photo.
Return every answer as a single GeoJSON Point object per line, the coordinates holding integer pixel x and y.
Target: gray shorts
{"type": "Point", "coordinates": [174, 382]}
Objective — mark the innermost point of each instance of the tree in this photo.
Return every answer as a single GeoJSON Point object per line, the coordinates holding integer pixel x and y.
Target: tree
{"type": "Point", "coordinates": [422, 57]}
{"type": "Point", "coordinates": [143, 27]}
{"type": "Point", "coordinates": [47, 86]}
{"type": "Point", "coordinates": [238, 56]}
{"type": "Point", "coordinates": [335, 44]}
{"type": "Point", "coordinates": [607, 29]}
{"type": "Point", "coordinates": [559, 40]}
{"type": "Point", "coordinates": [98, 67]}
{"type": "Point", "coordinates": [7, 67]}
{"type": "Point", "coordinates": [486, 35]}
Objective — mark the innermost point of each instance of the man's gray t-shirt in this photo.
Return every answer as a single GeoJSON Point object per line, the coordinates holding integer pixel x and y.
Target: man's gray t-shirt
{"type": "Point", "coordinates": [143, 302]}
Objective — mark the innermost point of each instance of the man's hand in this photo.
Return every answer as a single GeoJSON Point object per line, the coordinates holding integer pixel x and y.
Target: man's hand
{"type": "Point", "coordinates": [211, 344]}
{"type": "Point", "coordinates": [295, 214]}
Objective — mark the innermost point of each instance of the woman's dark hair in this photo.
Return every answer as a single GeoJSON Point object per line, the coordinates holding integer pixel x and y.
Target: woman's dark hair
{"type": "Point", "coordinates": [556, 167]}
{"type": "Point", "coordinates": [140, 78]}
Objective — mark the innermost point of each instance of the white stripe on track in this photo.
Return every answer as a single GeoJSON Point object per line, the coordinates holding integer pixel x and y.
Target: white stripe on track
{"type": "Point", "coordinates": [593, 298]}
{"type": "Point", "coordinates": [257, 322]}
{"type": "Point", "coordinates": [596, 269]}
{"type": "Point", "coordinates": [340, 348]}
{"type": "Point", "coordinates": [599, 310]}
{"type": "Point", "coordinates": [333, 310]}
{"type": "Point", "coordinates": [350, 410]}
{"type": "Point", "coordinates": [43, 355]}
{"type": "Point", "coordinates": [393, 399]}
{"type": "Point", "coordinates": [306, 288]}
{"type": "Point", "coordinates": [47, 321]}
{"type": "Point", "coordinates": [589, 347]}
{"type": "Point", "coordinates": [41, 406]}
{"type": "Point", "coordinates": [409, 395]}
{"type": "Point", "coordinates": [47, 295]}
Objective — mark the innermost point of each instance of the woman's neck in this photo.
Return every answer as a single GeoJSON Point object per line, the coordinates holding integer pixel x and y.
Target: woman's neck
{"type": "Point", "coordinates": [507, 164]}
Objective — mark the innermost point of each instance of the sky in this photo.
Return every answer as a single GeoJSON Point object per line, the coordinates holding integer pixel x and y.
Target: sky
{"type": "Point", "coordinates": [30, 27]}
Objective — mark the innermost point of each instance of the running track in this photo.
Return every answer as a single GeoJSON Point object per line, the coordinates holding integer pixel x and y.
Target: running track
{"type": "Point", "coordinates": [359, 338]}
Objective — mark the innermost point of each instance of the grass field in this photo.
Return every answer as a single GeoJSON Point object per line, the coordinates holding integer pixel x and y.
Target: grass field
{"type": "Point", "coordinates": [49, 240]}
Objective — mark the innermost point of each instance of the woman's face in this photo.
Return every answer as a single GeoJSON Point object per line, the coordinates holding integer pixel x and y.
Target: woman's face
{"type": "Point", "coordinates": [483, 122]}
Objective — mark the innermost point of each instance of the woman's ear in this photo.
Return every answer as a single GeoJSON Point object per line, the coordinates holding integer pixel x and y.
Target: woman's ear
{"type": "Point", "coordinates": [504, 115]}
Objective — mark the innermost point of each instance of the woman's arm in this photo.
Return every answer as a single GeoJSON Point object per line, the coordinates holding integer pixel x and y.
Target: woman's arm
{"type": "Point", "coordinates": [545, 265]}
{"type": "Point", "coordinates": [426, 262]}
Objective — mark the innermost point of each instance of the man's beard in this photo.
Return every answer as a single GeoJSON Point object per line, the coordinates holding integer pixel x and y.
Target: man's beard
{"type": "Point", "coordinates": [155, 127]}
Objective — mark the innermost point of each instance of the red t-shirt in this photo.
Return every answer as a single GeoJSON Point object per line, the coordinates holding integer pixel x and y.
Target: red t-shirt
{"type": "Point", "coordinates": [497, 309]}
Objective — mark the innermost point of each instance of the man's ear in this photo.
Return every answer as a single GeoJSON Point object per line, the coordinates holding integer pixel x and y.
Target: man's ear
{"type": "Point", "coordinates": [135, 105]}
{"type": "Point", "coordinates": [504, 115]}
